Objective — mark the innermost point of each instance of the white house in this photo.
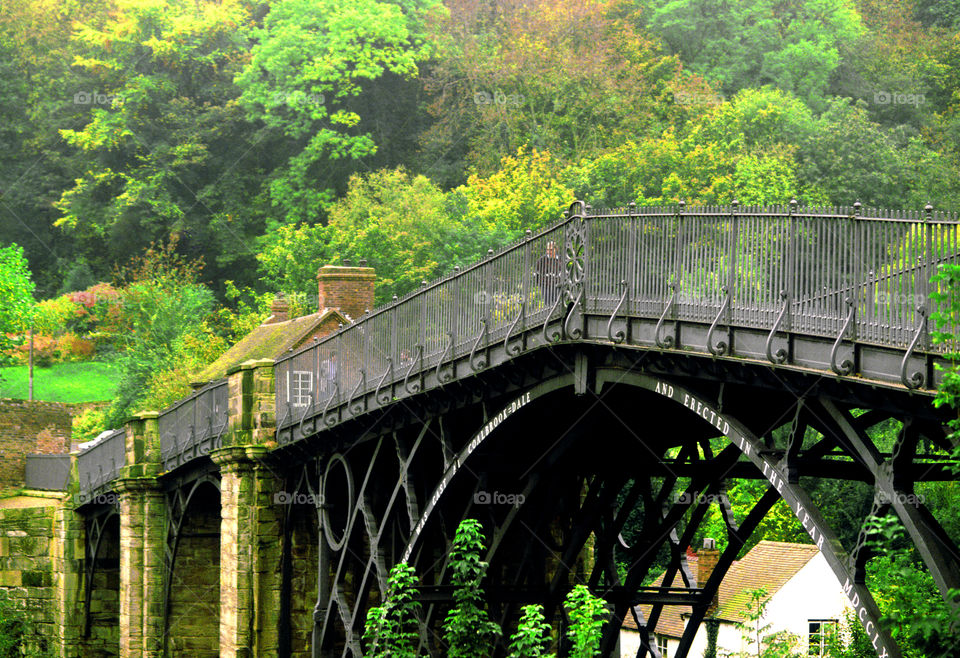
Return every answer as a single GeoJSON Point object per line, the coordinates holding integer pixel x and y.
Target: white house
{"type": "Point", "coordinates": [803, 598]}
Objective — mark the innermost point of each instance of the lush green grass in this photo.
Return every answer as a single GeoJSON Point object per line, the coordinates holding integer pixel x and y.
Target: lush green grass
{"type": "Point", "coordinates": [90, 381]}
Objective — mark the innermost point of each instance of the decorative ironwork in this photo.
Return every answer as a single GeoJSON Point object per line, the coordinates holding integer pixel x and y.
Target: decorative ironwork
{"type": "Point", "coordinates": [413, 387]}
{"type": "Point", "coordinates": [446, 376]}
{"type": "Point", "coordinates": [303, 419]}
{"type": "Point", "coordinates": [387, 374]}
{"type": "Point", "coordinates": [846, 367]}
{"type": "Point", "coordinates": [574, 269]}
{"type": "Point", "coordinates": [780, 355]}
{"type": "Point", "coordinates": [327, 422]}
{"type": "Point", "coordinates": [915, 380]}
{"type": "Point", "coordinates": [576, 332]}
{"type": "Point", "coordinates": [513, 350]}
{"type": "Point", "coordinates": [554, 337]}
{"type": "Point", "coordinates": [359, 407]}
{"type": "Point", "coordinates": [620, 336]}
{"type": "Point", "coordinates": [666, 342]}
{"type": "Point", "coordinates": [481, 362]}
{"type": "Point", "coordinates": [721, 347]}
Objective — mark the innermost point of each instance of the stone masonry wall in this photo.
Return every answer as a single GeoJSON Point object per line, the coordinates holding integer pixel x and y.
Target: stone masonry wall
{"type": "Point", "coordinates": [194, 621]}
{"type": "Point", "coordinates": [303, 588]}
{"type": "Point", "coordinates": [26, 569]}
{"type": "Point", "coordinates": [28, 427]}
{"type": "Point", "coordinates": [104, 638]}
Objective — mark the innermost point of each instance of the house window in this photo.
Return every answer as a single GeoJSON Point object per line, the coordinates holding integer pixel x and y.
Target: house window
{"type": "Point", "coordinates": [662, 645]}
{"type": "Point", "coordinates": [819, 634]}
{"type": "Point", "coordinates": [300, 387]}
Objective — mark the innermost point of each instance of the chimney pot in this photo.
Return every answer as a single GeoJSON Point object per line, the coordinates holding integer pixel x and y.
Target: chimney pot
{"type": "Point", "coordinates": [707, 560]}
{"type": "Point", "coordinates": [279, 310]}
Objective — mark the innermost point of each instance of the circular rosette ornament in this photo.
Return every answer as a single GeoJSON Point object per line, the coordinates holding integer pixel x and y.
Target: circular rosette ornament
{"type": "Point", "coordinates": [574, 254]}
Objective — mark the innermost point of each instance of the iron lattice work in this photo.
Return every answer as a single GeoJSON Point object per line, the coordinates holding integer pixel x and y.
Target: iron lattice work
{"type": "Point", "coordinates": [588, 441]}
{"type": "Point", "coordinates": [560, 369]}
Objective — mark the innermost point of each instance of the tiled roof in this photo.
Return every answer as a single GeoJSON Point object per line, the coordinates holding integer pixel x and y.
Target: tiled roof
{"type": "Point", "coordinates": [769, 564]}
{"type": "Point", "coordinates": [268, 341]}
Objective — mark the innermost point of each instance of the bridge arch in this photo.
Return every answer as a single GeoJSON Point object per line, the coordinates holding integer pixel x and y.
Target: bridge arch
{"type": "Point", "coordinates": [745, 446]}
{"type": "Point", "coordinates": [101, 581]}
{"type": "Point", "coordinates": [192, 569]}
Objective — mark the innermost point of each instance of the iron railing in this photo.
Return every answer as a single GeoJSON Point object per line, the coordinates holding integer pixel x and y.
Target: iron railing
{"type": "Point", "coordinates": [820, 268]}
{"type": "Point", "coordinates": [101, 463]}
{"type": "Point", "coordinates": [193, 426]}
{"type": "Point", "coordinates": [461, 314]}
{"type": "Point", "coordinates": [843, 273]}
{"type": "Point", "coordinates": [47, 472]}
{"type": "Point", "coordinates": [863, 274]}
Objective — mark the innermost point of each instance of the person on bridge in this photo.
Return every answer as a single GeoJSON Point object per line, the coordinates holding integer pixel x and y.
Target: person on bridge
{"type": "Point", "coordinates": [547, 272]}
{"type": "Point", "coordinates": [328, 375]}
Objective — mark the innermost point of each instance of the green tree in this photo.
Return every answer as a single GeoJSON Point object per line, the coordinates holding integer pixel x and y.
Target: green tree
{"type": "Point", "coordinates": [16, 298]}
{"type": "Point", "coordinates": [524, 74]}
{"type": "Point", "coordinates": [404, 226]}
{"type": "Point", "coordinates": [37, 87]}
{"type": "Point", "coordinates": [525, 193]}
{"type": "Point", "coordinates": [161, 303]}
{"type": "Point", "coordinates": [165, 150]}
{"type": "Point", "coordinates": [467, 629]}
{"type": "Point", "coordinates": [793, 45]}
{"type": "Point", "coordinates": [309, 59]}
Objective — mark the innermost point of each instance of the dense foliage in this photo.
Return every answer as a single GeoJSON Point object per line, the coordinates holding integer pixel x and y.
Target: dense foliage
{"type": "Point", "coordinates": [262, 135]}
{"type": "Point", "coordinates": [167, 165]}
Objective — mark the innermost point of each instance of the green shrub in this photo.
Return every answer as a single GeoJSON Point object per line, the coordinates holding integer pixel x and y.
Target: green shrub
{"type": "Point", "coordinates": [392, 629]}
{"type": "Point", "coordinates": [532, 634]}
{"type": "Point", "coordinates": [468, 629]}
{"type": "Point", "coordinates": [587, 614]}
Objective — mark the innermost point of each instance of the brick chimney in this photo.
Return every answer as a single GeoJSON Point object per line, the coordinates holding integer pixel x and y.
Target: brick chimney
{"type": "Point", "coordinates": [707, 560]}
{"type": "Point", "coordinates": [279, 310]}
{"type": "Point", "coordinates": [349, 289]}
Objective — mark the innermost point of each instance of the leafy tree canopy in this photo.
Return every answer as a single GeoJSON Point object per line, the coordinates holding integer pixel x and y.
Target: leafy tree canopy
{"type": "Point", "coordinates": [309, 59]}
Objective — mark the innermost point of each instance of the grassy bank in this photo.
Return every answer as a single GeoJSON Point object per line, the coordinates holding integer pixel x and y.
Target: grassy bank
{"type": "Point", "coordinates": [89, 381]}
